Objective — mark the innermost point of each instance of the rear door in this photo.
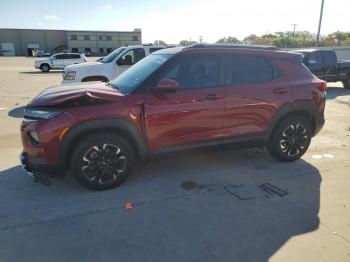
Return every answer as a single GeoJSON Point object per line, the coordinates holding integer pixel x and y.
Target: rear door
{"type": "Point", "coordinates": [70, 59]}
{"type": "Point", "coordinates": [194, 113]}
{"type": "Point", "coordinates": [255, 91]}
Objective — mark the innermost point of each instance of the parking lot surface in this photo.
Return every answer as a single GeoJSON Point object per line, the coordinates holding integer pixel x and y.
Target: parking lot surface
{"type": "Point", "coordinates": [229, 205]}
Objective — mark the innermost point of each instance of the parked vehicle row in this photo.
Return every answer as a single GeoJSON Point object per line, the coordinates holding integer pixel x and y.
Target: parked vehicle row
{"type": "Point", "coordinates": [173, 99]}
{"type": "Point", "coordinates": [41, 53]}
{"type": "Point", "coordinates": [59, 61]}
{"type": "Point", "coordinates": [109, 66]}
{"type": "Point", "coordinates": [325, 65]}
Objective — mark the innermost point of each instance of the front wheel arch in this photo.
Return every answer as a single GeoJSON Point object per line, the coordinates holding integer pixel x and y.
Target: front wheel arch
{"type": "Point", "coordinates": [95, 78]}
{"type": "Point", "coordinates": [117, 126]}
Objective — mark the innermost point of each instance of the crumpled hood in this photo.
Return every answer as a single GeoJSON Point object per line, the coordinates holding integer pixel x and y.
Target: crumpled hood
{"type": "Point", "coordinates": [60, 94]}
{"type": "Point", "coordinates": [83, 66]}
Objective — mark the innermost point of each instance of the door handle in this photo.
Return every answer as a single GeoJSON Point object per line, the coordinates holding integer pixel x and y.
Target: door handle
{"type": "Point", "coordinates": [280, 91]}
{"type": "Point", "coordinates": [211, 97]}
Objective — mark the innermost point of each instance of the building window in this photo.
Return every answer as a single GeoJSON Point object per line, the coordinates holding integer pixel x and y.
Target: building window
{"type": "Point", "coordinates": [135, 38]}
{"type": "Point", "coordinates": [73, 37]}
{"type": "Point", "coordinates": [100, 37]}
{"type": "Point", "coordinates": [87, 49]}
{"type": "Point", "coordinates": [108, 38]}
{"type": "Point", "coordinates": [109, 50]}
{"type": "Point", "coordinates": [86, 37]}
{"type": "Point", "coordinates": [101, 50]}
{"type": "Point", "coordinates": [75, 50]}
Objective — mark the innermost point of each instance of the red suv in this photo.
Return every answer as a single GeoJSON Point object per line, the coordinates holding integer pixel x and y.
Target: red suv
{"type": "Point", "coordinates": [176, 98]}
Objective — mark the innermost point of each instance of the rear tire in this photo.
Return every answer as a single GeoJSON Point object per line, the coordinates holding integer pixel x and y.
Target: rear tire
{"type": "Point", "coordinates": [346, 83]}
{"type": "Point", "coordinates": [290, 139]}
{"type": "Point", "coordinates": [45, 68]}
{"type": "Point", "coordinates": [102, 161]}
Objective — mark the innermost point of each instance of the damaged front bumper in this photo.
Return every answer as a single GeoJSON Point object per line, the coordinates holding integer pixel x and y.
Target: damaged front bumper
{"type": "Point", "coordinates": [31, 164]}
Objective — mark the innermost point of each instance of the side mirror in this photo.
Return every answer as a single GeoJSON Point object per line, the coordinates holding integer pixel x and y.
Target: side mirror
{"type": "Point", "coordinates": [167, 85]}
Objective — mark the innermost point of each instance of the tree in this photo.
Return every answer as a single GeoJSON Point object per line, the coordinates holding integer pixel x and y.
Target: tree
{"type": "Point", "coordinates": [186, 42]}
{"type": "Point", "coordinates": [250, 38]}
{"type": "Point", "coordinates": [159, 42]}
{"type": "Point", "coordinates": [228, 40]}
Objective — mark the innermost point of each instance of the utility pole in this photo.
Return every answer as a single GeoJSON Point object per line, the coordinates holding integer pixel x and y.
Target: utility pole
{"type": "Point", "coordinates": [319, 25]}
{"type": "Point", "coordinates": [294, 25]}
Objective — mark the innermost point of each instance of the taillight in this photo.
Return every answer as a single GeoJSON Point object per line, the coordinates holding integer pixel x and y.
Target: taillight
{"type": "Point", "coordinates": [323, 86]}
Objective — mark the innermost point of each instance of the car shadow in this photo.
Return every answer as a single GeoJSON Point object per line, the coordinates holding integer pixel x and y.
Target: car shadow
{"type": "Point", "coordinates": [211, 204]}
{"type": "Point", "coordinates": [333, 92]}
{"type": "Point", "coordinates": [17, 112]}
{"type": "Point", "coordinates": [41, 73]}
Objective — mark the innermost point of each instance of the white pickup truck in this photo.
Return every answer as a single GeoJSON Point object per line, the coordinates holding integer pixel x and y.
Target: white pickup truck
{"type": "Point", "coordinates": [59, 61]}
{"type": "Point", "coordinates": [109, 66]}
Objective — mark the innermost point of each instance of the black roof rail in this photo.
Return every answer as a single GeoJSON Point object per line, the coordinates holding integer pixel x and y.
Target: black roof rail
{"type": "Point", "coordinates": [263, 47]}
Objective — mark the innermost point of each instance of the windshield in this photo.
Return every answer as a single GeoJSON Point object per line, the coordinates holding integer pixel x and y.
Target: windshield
{"type": "Point", "coordinates": [109, 58]}
{"type": "Point", "coordinates": [130, 79]}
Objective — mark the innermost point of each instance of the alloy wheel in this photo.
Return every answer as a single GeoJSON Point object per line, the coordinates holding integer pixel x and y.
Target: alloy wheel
{"type": "Point", "coordinates": [103, 164]}
{"type": "Point", "coordinates": [294, 140]}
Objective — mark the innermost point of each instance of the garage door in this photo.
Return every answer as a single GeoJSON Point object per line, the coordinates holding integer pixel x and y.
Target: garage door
{"type": "Point", "coordinates": [7, 49]}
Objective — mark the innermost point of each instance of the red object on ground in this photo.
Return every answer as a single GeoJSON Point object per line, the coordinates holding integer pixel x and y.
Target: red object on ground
{"type": "Point", "coordinates": [128, 205]}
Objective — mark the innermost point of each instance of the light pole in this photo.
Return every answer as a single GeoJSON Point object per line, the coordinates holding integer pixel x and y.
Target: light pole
{"type": "Point", "coordinates": [319, 25]}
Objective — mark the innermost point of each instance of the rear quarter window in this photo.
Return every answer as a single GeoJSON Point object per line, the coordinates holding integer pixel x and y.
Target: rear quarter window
{"type": "Point", "coordinates": [74, 56]}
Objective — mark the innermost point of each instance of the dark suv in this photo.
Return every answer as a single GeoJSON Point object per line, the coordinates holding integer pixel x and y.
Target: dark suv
{"type": "Point", "coordinates": [176, 98]}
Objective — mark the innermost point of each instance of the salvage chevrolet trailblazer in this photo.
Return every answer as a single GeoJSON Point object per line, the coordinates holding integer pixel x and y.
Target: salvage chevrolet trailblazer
{"type": "Point", "coordinates": [176, 98]}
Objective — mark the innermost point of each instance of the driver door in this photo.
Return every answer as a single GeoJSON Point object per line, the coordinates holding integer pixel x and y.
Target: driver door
{"type": "Point", "coordinates": [193, 114]}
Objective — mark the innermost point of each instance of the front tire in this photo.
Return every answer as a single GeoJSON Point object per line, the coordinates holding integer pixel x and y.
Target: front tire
{"type": "Point", "coordinates": [102, 161]}
{"type": "Point", "coordinates": [290, 139]}
{"type": "Point", "coordinates": [45, 68]}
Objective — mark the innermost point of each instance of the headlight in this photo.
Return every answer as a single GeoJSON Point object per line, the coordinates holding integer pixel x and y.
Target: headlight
{"type": "Point", "coordinates": [39, 114]}
{"type": "Point", "coordinates": [69, 75]}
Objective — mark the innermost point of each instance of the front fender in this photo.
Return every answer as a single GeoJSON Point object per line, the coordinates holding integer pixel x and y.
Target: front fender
{"type": "Point", "coordinates": [120, 126]}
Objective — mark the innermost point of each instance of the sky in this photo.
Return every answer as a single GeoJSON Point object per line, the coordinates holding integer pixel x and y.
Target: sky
{"type": "Point", "coordinates": [176, 20]}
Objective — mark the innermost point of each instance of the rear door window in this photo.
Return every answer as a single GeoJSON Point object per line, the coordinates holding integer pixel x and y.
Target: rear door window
{"type": "Point", "coordinates": [329, 58]}
{"type": "Point", "coordinates": [60, 56]}
{"type": "Point", "coordinates": [250, 70]}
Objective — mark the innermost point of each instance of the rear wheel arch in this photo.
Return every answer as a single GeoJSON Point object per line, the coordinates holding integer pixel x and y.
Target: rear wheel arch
{"type": "Point", "coordinates": [305, 110]}
{"type": "Point", "coordinates": [114, 126]}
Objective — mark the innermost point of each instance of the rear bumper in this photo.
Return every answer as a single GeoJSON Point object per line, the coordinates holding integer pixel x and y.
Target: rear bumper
{"type": "Point", "coordinates": [320, 121]}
